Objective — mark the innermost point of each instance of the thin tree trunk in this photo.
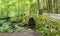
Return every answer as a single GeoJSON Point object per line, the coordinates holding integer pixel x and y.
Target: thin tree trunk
{"type": "Point", "coordinates": [39, 10]}
{"type": "Point", "coordinates": [56, 6]}
{"type": "Point", "coordinates": [49, 6]}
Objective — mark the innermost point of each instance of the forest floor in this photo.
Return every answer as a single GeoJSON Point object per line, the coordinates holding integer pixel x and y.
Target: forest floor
{"type": "Point", "coordinates": [25, 33]}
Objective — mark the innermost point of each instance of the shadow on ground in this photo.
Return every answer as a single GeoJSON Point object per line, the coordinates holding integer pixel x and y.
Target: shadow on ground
{"type": "Point", "coordinates": [25, 33]}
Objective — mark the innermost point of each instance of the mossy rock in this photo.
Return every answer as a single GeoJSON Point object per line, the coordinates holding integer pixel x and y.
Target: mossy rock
{"type": "Point", "coordinates": [44, 23]}
{"type": "Point", "coordinates": [38, 19]}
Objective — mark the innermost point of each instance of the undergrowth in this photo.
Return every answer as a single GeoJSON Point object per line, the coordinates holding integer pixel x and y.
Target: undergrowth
{"type": "Point", "coordinates": [45, 25]}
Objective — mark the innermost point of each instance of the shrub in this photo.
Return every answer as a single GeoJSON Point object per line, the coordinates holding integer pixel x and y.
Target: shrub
{"type": "Point", "coordinates": [5, 27]}
{"type": "Point", "coordinates": [44, 25]}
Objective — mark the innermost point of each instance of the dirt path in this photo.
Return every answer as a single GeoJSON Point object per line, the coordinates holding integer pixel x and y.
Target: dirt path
{"type": "Point", "coordinates": [25, 33]}
{"type": "Point", "coordinates": [54, 16]}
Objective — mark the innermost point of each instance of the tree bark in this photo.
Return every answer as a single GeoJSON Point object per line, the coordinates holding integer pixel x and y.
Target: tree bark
{"type": "Point", "coordinates": [39, 10]}
{"type": "Point", "coordinates": [49, 6]}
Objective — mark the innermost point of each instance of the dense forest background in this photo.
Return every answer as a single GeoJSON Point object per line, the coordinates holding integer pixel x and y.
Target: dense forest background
{"type": "Point", "coordinates": [17, 8]}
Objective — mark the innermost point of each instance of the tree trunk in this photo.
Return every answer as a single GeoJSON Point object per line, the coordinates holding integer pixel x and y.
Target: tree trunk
{"type": "Point", "coordinates": [39, 10]}
{"type": "Point", "coordinates": [49, 6]}
{"type": "Point", "coordinates": [56, 6]}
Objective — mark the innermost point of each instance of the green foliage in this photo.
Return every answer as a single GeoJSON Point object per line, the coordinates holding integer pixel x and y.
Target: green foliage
{"type": "Point", "coordinates": [4, 27]}
{"type": "Point", "coordinates": [48, 26]}
{"type": "Point", "coordinates": [16, 7]}
{"type": "Point", "coordinates": [25, 18]}
{"type": "Point", "coordinates": [44, 25]}
{"type": "Point", "coordinates": [20, 29]}
{"type": "Point", "coordinates": [13, 19]}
